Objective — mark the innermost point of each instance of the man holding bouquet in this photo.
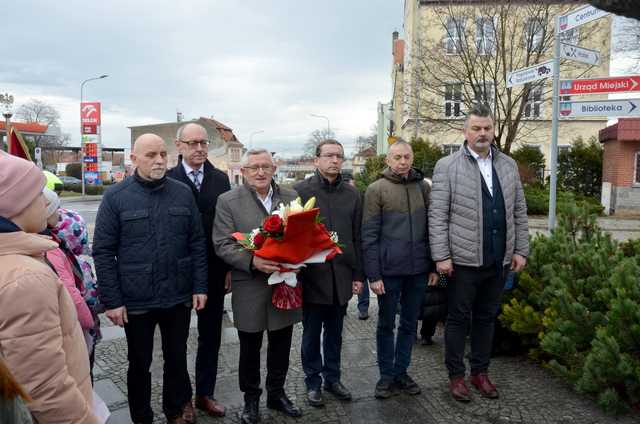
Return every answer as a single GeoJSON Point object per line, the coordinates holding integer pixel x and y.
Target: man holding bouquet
{"type": "Point", "coordinates": [243, 209]}
{"type": "Point", "coordinates": [327, 287]}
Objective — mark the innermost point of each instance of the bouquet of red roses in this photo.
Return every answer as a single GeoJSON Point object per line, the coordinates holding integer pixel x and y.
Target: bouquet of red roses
{"type": "Point", "coordinates": [292, 236]}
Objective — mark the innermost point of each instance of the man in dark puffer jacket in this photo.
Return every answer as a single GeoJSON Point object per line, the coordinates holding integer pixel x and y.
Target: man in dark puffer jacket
{"type": "Point", "coordinates": [396, 261]}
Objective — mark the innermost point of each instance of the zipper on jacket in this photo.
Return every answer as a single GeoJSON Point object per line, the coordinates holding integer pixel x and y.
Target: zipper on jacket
{"type": "Point", "coordinates": [410, 225]}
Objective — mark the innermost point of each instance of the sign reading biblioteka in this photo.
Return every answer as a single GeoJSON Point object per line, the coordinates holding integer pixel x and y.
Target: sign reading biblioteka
{"type": "Point", "coordinates": [600, 85]}
{"type": "Point", "coordinates": [621, 107]}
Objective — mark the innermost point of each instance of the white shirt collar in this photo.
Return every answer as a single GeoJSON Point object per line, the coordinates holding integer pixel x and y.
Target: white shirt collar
{"type": "Point", "coordinates": [267, 201]}
{"type": "Point", "coordinates": [189, 169]}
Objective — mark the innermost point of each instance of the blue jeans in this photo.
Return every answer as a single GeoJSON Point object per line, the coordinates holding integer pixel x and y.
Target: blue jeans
{"type": "Point", "coordinates": [363, 297]}
{"type": "Point", "coordinates": [394, 356]}
{"type": "Point", "coordinates": [315, 318]}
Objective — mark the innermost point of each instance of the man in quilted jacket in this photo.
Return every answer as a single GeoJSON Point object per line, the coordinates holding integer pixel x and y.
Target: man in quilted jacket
{"type": "Point", "coordinates": [477, 231]}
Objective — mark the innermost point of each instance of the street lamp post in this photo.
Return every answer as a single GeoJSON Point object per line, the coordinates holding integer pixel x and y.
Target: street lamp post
{"type": "Point", "coordinates": [251, 137]}
{"type": "Point", "coordinates": [81, 145]}
{"type": "Point", "coordinates": [323, 117]}
{"type": "Point", "coordinates": [6, 100]}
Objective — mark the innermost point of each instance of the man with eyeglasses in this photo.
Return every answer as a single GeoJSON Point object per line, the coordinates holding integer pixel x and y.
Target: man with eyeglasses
{"type": "Point", "coordinates": [327, 287]}
{"type": "Point", "coordinates": [241, 210]}
{"type": "Point", "coordinates": [206, 183]}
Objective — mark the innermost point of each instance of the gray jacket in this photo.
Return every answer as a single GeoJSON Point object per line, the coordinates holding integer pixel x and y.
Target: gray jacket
{"type": "Point", "coordinates": [455, 212]}
{"type": "Point", "coordinates": [239, 210]}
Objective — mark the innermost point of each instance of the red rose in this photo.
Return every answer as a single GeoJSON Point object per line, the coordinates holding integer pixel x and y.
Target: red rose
{"type": "Point", "coordinates": [272, 224]}
{"type": "Point", "coordinates": [258, 240]}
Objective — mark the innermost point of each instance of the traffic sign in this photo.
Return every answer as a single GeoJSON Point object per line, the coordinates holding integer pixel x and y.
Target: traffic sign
{"type": "Point", "coordinates": [600, 85]}
{"type": "Point", "coordinates": [530, 74]}
{"type": "Point", "coordinates": [621, 107]}
{"type": "Point", "coordinates": [579, 54]}
{"type": "Point", "coordinates": [580, 17]}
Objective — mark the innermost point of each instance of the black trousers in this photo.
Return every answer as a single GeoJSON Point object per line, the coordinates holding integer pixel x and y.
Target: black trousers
{"type": "Point", "coordinates": [472, 292]}
{"type": "Point", "coordinates": [277, 362]}
{"type": "Point", "coordinates": [176, 387]}
{"type": "Point", "coordinates": [209, 336]}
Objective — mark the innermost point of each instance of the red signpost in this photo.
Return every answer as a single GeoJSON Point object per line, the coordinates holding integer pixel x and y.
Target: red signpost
{"type": "Point", "coordinates": [624, 84]}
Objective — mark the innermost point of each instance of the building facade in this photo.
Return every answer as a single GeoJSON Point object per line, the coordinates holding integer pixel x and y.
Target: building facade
{"type": "Point", "coordinates": [225, 150]}
{"type": "Point", "coordinates": [460, 52]}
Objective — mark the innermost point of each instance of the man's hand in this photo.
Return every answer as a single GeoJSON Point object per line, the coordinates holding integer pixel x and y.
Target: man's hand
{"type": "Point", "coordinates": [199, 300]}
{"type": "Point", "coordinates": [518, 262]}
{"type": "Point", "coordinates": [265, 265]}
{"type": "Point", "coordinates": [377, 287]}
{"type": "Point", "coordinates": [118, 316]}
{"type": "Point", "coordinates": [227, 283]}
{"type": "Point", "coordinates": [433, 279]}
{"type": "Point", "coordinates": [445, 267]}
{"type": "Point", "coordinates": [356, 287]}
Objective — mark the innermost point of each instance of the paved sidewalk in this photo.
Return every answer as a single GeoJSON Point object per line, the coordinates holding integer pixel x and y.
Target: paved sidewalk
{"type": "Point", "coordinates": [529, 393]}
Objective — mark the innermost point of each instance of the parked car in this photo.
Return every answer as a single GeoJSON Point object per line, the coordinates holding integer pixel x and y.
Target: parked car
{"type": "Point", "coordinates": [69, 180]}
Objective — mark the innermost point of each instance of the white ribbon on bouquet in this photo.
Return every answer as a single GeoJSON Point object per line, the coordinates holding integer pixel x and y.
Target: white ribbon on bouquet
{"type": "Point", "coordinates": [291, 278]}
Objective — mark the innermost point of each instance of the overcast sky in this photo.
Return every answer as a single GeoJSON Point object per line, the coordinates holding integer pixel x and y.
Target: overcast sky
{"type": "Point", "coordinates": [252, 65]}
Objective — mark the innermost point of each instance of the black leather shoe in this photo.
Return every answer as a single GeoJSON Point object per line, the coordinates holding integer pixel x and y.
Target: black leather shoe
{"type": "Point", "coordinates": [250, 414]}
{"type": "Point", "coordinates": [284, 405]}
{"type": "Point", "coordinates": [338, 390]}
{"type": "Point", "coordinates": [314, 397]}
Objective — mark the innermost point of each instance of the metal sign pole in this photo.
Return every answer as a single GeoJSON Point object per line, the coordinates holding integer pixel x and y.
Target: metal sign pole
{"type": "Point", "coordinates": [553, 183]}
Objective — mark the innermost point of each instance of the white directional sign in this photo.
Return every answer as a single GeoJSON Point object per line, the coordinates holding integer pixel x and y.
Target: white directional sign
{"type": "Point", "coordinates": [621, 107]}
{"type": "Point", "coordinates": [530, 74]}
{"type": "Point", "coordinates": [580, 17]}
{"type": "Point", "coordinates": [579, 54]}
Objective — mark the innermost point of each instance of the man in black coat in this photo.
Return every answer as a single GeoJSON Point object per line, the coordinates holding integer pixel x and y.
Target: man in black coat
{"type": "Point", "coordinates": [206, 183]}
{"type": "Point", "coordinates": [327, 287]}
{"type": "Point", "coordinates": [151, 262]}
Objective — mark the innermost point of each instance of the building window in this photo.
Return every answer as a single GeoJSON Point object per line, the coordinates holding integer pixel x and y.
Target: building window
{"type": "Point", "coordinates": [235, 155]}
{"type": "Point", "coordinates": [534, 146]}
{"type": "Point", "coordinates": [485, 36]}
{"type": "Point", "coordinates": [485, 93]}
{"type": "Point", "coordinates": [533, 34]}
{"type": "Point", "coordinates": [563, 149]}
{"type": "Point", "coordinates": [452, 100]}
{"type": "Point", "coordinates": [448, 149]}
{"type": "Point", "coordinates": [570, 36]}
{"type": "Point", "coordinates": [454, 36]}
{"type": "Point", "coordinates": [533, 106]}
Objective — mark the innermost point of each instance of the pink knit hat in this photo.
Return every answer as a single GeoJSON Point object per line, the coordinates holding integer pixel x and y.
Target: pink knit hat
{"type": "Point", "coordinates": [21, 182]}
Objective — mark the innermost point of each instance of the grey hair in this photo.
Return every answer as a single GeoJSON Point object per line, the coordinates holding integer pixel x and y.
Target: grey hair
{"type": "Point", "coordinates": [481, 110]}
{"type": "Point", "coordinates": [401, 142]}
{"type": "Point", "coordinates": [253, 152]}
{"type": "Point", "coordinates": [182, 128]}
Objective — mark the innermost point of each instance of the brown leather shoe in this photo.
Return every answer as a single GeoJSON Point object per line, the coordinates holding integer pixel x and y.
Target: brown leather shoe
{"type": "Point", "coordinates": [210, 406]}
{"type": "Point", "coordinates": [484, 385]}
{"type": "Point", "coordinates": [188, 413]}
{"type": "Point", "coordinates": [459, 390]}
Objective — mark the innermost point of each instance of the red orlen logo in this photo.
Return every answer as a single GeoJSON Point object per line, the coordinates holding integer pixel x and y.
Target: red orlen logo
{"type": "Point", "coordinates": [90, 113]}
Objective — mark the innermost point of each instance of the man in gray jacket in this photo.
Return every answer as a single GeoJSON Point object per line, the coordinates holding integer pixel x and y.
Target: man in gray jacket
{"type": "Point", "coordinates": [241, 210]}
{"type": "Point", "coordinates": [477, 228]}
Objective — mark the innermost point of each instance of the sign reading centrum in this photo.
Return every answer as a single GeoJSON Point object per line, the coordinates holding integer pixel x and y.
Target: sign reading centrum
{"type": "Point", "coordinates": [600, 85]}
{"type": "Point", "coordinates": [622, 107]}
{"type": "Point", "coordinates": [580, 17]}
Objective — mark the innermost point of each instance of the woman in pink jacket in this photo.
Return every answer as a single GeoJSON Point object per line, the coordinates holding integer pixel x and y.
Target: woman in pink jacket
{"type": "Point", "coordinates": [40, 337]}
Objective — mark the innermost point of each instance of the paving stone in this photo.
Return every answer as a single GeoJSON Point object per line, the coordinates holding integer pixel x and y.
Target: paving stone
{"type": "Point", "coordinates": [109, 392]}
{"type": "Point", "coordinates": [120, 416]}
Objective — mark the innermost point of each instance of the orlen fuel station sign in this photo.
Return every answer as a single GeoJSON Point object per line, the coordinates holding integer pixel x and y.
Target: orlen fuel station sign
{"type": "Point", "coordinates": [91, 142]}
{"type": "Point", "coordinates": [626, 84]}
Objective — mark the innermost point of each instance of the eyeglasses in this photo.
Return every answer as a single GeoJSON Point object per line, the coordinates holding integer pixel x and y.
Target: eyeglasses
{"type": "Point", "coordinates": [333, 156]}
{"type": "Point", "coordinates": [255, 168]}
{"type": "Point", "coordinates": [194, 143]}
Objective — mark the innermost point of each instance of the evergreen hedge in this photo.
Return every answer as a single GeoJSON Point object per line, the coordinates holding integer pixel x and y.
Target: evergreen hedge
{"type": "Point", "coordinates": [577, 307]}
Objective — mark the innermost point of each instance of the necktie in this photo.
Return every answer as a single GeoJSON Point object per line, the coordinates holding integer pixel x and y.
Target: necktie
{"type": "Point", "coordinates": [196, 178]}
